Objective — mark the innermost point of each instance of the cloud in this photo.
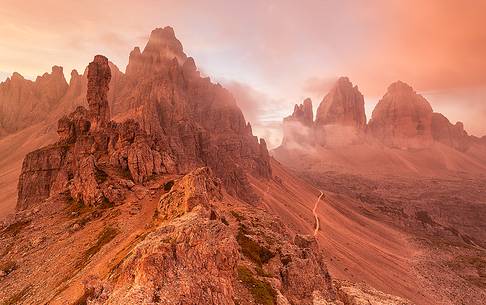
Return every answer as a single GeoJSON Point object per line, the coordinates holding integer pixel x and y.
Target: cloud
{"type": "Point", "coordinates": [256, 106]}
{"type": "Point", "coordinates": [319, 86]}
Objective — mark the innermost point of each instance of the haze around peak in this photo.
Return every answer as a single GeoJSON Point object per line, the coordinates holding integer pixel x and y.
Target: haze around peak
{"type": "Point", "coordinates": [276, 53]}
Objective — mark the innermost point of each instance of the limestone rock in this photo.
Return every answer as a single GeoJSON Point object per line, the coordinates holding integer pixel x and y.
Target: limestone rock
{"type": "Point", "coordinates": [452, 135]}
{"type": "Point", "coordinates": [196, 188]}
{"type": "Point", "coordinates": [99, 76]}
{"type": "Point", "coordinates": [402, 118]}
{"type": "Point", "coordinates": [298, 126]}
{"type": "Point", "coordinates": [24, 102]}
{"type": "Point", "coordinates": [178, 121]}
{"type": "Point", "coordinates": [343, 105]}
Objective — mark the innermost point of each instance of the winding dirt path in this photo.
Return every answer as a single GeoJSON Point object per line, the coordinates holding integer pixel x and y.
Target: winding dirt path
{"type": "Point", "coordinates": [315, 214]}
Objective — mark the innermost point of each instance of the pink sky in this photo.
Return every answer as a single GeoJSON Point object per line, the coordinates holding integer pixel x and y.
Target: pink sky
{"type": "Point", "coordinates": [273, 53]}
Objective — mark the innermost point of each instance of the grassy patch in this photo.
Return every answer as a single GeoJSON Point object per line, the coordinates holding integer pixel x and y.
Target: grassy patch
{"type": "Point", "coordinates": [262, 292]}
{"type": "Point", "coordinates": [251, 249]}
{"type": "Point", "coordinates": [17, 298]}
{"type": "Point", "coordinates": [104, 238]}
{"type": "Point", "coordinates": [425, 218]}
{"type": "Point", "coordinates": [8, 266]}
{"type": "Point", "coordinates": [16, 227]}
{"type": "Point", "coordinates": [237, 216]}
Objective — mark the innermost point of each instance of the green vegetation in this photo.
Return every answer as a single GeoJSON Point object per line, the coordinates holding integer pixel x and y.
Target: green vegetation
{"type": "Point", "coordinates": [237, 216]}
{"type": "Point", "coordinates": [425, 218]}
{"type": "Point", "coordinates": [251, 249]}
{"type": "Point", "coordinates": [104, 238]}
{"type": "Point", "coordinates": [17, 298]}
{"type": "Point", "coordinates": [16, 227]}
{"type": "Point", "coordinates": [262, 292]}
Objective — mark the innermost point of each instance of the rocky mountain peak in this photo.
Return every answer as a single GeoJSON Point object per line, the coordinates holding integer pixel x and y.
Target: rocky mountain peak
{"type": "Point", "coordinates": [16, 77]}
{"type": "Point", "coordinates": [402, 118]}
{"type": "Point", "coordinates": [343, 105]}
{"type": "Point", "coordinates": [400, 87]}
{"type": "Point", "coordinates": [99, 76]}
{"type": "Point", "coordinates": [161, 49]}
{"type": "Point", "coordinates": [163, 42]}
{"type": "Point", "coordinates": [297, 125]}
{"type": "Point", "coordinates": [303, 113]}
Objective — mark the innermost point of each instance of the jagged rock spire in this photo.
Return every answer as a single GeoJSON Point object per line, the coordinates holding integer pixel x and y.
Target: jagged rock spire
{"type": "Point", "coordinates": [99, 76]}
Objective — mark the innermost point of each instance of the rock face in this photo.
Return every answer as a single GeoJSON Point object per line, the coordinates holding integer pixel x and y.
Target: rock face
{"type": "Point", "coordinates": [24, 102]}
{"type": "Point", "coordinates": [208, 252]}
{"type": "Point", "coordinates": [99, 76]}
{"type": "Point", "coordinates": [78, 163]}
{"type": "Point", "coordinates": [298, 126]}
{"type": "Point", "coordinates": [178, 121]}
{"type": "Point", "coordinates": [452, 135]}
{"type": "Point", "coordinates": [191, 119]}
{"type": "Point", "coordinates": [343, 105]}
{"type": "Point", "coordinates": [402, 118]}
{"type": "Point", "coordinates": [340, 118]}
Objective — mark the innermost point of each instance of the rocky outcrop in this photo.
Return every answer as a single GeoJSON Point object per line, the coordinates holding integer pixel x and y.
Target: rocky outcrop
{"type": "Point", "coordinates": [206, 251]}
{"type": "Point", "coordinates": [78, 163]}
{"type": "Point", "coordinates": [302, 113]}
{"type": "Point", "coordinates": [99, 76]}
{"type": "Point", "coordinates": [340, 119]}
{"type": "Point", "coordinates": [194, 189]}
{"type": "Point", "coordinates": [402, 118]}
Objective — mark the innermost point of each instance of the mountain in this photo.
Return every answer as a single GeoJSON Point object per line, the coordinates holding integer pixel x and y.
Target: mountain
{"type": "Point", "coordinates": [403, 135]}
{"type": "Point", "coordinates": [409, 186]}
{"type": "Point", "coordinates": [155, 191]}
{"type": "Point", "coordinates": [24, 102]}
{"type": "Point", "coordinates": [298, 125]}
{"type": "Point", "coordinates": [340, 117]}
